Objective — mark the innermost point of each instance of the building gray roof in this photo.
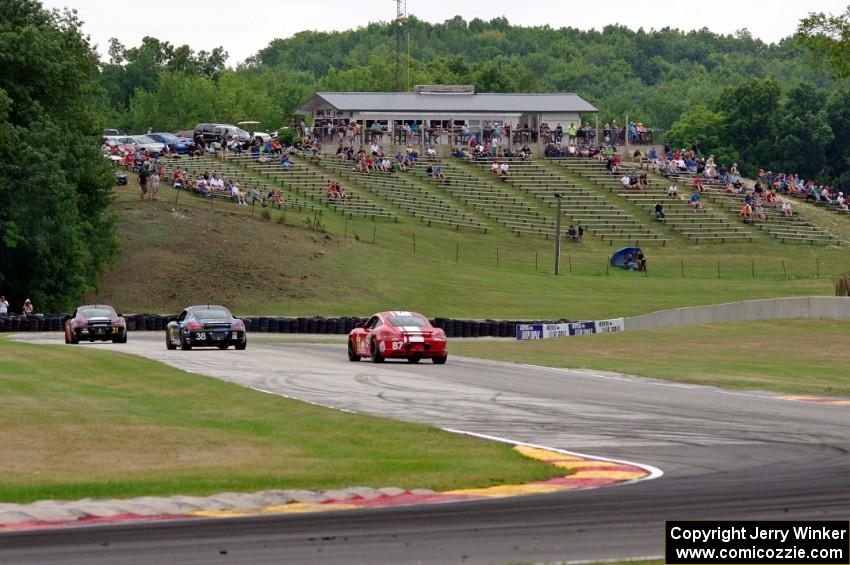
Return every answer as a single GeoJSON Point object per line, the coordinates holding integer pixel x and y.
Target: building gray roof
{"type": "Point", "coordinates": [438, 102]}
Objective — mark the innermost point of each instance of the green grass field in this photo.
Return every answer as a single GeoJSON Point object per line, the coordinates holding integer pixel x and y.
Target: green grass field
{"type": "Point", "coordinates": [804, 357]}
{"type": "Point", "coordinates": [174, 254]}
{"type": "Point", "coordinates": [80, 423]}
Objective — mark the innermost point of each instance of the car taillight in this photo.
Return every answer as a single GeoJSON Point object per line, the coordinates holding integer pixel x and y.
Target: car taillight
{"type": "Point", "coordinates": [79, 323]}
{"type": "Point", "coordinates": [119, 322]}
{"type": "Point", "coordinates": [193, 326]}
{"type": "Point", "coordinates": [237, 325]}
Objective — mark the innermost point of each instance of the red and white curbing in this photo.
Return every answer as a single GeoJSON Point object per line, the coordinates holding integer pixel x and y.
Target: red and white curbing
{"type": "Point", "coordinates": [581, 472]}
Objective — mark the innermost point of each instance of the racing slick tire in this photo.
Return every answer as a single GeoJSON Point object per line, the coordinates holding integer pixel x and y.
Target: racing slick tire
{"type": "Point", "coordinates": [185, 345]}
{"type": "Point", "coordinates": [440, 360]}
{"type": "Point", "coordinates": [241, 345]}
{"type": "Point", "coordinates": [374, 354]}
{"type": "Point", "coordinates": [352, 356]}
{"type": "Point", "coordinates": [122, 339]}
{"type": "Point", "coordinates": [169, 345]}
{"type": "Point", "coordinates": [414, 359]}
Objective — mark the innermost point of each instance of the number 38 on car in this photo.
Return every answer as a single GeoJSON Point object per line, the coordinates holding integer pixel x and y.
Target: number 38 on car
{"type": "Point", "coordinates": [396, 334]}
{"type": "Point", "coordinates": [206, 326]}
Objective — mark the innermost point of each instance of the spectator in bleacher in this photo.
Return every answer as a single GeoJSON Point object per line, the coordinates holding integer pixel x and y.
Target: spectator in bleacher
{"type": "Point", "coordinates": [504, 171]}
{"type": "Point", "coordinates": [758, 212]}
{"type": "Point", "coordinates": [786, 209]}
{"type": "Point", "coordinates": [400, 162]}
{"type": "Point", "coordinates": [285, 162]}
{"type": "Point", "coordinates": [696, 201]}
{"type": "Point", "coordinates": [333, 191]}
{"type": "Point", "coordinates": [559, 133]}
{"type": "Point", "coordinates": [494, 167]}
{"type": "Point", "coordinates": [697, 184]}
{"type": "Point", "coordinates": [571, 131]}
{"type": "Point", "coordinates": [643, 181]}
{"type": "Point", "coordinates": [606, 130]}
{"type": "Point", "coordinates": [572, 233]}
{"type": "Point", "coordinates": [580, 231]}
{"type": "Point", "coordinates": [841, 202]}
{"type": "Point", "coordinates": [28, 308]}
{"type": "Point", "coordinates": [746, 213]}
{"type": "Point", "coordinates": [438, 173]}
{"type": "Point", "coordinates": [430, 151]}
{"type": "Point", "coordinates": [376, 131]}
{"type": "Point", "coordinates": [626, 181]}
{"type": "Point", "coordinates": [659, 210]}
{"type": "Point", "coordinates": [652, 155]}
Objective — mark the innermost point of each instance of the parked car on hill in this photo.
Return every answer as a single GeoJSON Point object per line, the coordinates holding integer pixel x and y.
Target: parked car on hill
{"type": "Point", "coordinates": [154, 148]}
{"type": "Point", "coordinates": [397, 334]}
{"type": "Point", "coordinates": [225, 132]}
{"type": "Point", "coordinates": [175, 144]}
{"type": "Point", "coordinates": [95, 322]}
{"type": "Point", "coordinates": [206, 326]}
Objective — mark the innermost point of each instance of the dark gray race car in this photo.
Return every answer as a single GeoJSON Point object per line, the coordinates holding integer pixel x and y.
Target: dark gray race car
{"type": "Point", "coordinates": [206, 326]}
{"type": "Point", "coordinates": [95, 322]}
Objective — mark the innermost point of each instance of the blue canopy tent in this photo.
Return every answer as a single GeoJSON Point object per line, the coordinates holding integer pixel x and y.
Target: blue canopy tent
{"type": "Point", "coordinates": [618, 259]}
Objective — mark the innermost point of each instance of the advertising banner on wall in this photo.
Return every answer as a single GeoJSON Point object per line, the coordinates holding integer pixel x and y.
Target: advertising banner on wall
{"type": "Point", "coordinates": [546, 331]}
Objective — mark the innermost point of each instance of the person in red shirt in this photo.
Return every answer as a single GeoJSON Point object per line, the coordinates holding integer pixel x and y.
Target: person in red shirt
{"type": "Point", "coordinates": [698, 185]}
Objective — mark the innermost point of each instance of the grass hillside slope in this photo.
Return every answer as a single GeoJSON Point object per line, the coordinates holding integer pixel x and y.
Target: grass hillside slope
{"type": "Point", "coordinates": [178, 252]}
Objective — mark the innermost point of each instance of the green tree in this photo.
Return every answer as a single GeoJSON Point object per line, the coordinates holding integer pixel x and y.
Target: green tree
{"type": "Point", "coordinates": [701, 124]}
{"type": "Point", "coordinates": [55, 236]}
{"type": "Point", "coordinates": [803, 132]}
{"type": "Point", "coordinates": [827, 38]}
{"type": "Point", "coordinates": [751, 111]}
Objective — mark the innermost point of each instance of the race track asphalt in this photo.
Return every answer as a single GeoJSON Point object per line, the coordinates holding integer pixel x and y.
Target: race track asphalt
{"type": "Point", "coordinates": [725, 455]}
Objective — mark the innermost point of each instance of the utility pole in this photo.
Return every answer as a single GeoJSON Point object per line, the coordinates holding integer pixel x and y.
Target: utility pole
{"type": "Point", "coordinates": [558, 195]}
{"type": "Point", "coordinates": [399, 23]}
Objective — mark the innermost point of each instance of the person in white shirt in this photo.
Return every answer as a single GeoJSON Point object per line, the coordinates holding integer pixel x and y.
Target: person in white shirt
{"type": "Point", "coordinates": [431, 152]}
{"type": "Point", "coordinates": [673, 191]}
{"type": "Point", "coordinates": [627, 181]}
{"type": "Point", "coordinates": [504, 169]}
{"type": "Point", "coordinates": [494, 167]}
{"type": "Point", "coordinates": [4, 306]}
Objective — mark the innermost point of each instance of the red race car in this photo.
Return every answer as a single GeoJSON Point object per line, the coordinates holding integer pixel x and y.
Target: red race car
{"type": "Point", "coordinates": [396, 334]}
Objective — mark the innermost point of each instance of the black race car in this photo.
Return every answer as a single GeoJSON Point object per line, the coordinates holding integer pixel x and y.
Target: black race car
{"type": "Point", "coordinates": [206, 326]}
{"type": "Point", "coordinates": [95, 322]}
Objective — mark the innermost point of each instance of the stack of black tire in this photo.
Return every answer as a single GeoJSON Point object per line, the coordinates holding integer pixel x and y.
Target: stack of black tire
{"type": "Point", "coordinates": [279, 324]}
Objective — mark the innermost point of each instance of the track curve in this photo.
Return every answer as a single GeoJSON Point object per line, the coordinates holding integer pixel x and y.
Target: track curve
{"type": "Point", "coordinates": [725, 455]}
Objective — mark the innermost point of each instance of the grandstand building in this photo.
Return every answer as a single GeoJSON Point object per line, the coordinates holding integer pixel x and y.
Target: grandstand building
{"type": "Point", "coordinates": [446, 111]}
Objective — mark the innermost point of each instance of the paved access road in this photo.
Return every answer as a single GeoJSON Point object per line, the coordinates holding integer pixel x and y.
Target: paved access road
{"type": "Point", "coordinates": [725, 455]}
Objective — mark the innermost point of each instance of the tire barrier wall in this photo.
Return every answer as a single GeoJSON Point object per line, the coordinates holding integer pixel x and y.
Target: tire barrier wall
{"type": "Point", "coordinates": [271, 324]}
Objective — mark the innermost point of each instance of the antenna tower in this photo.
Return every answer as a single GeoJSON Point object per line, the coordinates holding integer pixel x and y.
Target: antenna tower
{"type": "Point", "coordinates": [399, 23]}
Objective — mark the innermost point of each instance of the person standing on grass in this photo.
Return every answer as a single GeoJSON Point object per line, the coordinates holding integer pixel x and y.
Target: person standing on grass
{"type": "Point", "coordinates": [28, 307]}
{"type": "Point", "coordinates": [143, 182]}
{"type": "Point", "coordinates": [4, 306]}
{"type": "Point", "coordinates": [154, 184]}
